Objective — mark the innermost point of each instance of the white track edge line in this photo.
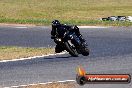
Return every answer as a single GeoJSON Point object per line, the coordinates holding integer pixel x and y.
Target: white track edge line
{"type": "Point", "coordinates": [94, 26]}
{"type": "Point", "coordinates": [82, 26]}
{"type": "Point", "coordinates": [32, 57]}
{"type": "Point", "coordinates": [42, 83]}
{"type": "Point", "coordinates": [21, 27]}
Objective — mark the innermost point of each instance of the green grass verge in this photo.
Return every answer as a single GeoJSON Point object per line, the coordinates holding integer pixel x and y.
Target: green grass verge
{"type": "Point", "coordinates": [80, 12]}
{"type": "Point", "coordinates": [11, 52]}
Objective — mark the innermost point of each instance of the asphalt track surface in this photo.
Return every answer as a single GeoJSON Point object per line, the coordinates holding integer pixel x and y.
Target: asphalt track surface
{"type": "Point", "coordinates": [110, 52]}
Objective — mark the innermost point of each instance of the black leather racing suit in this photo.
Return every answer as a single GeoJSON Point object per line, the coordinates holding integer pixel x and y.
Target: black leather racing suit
{"type": "Point", "coordinates": [59, 30]}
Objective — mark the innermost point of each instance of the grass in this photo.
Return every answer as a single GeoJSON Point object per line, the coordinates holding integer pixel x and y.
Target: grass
{"type": "Point", "coordinates": [8, 53]}
{"type": "Point", "coordinates": [53, 85]}
{"type": "Point", "coordinates": [80, 12]}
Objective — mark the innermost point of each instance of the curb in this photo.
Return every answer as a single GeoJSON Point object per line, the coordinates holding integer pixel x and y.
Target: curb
{"type": "Point", "coordinates": [34, 57]}
{"type": "Point", "coordinates": [41, 83]}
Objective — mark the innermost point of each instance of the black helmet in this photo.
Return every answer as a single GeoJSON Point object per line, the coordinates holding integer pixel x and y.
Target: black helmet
{"type": "Point", "coordinates": [55, 23]}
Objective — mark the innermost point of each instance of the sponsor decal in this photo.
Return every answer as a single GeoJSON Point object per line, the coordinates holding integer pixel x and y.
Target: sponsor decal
{"type": "Point", "coordinates": [84, 78]}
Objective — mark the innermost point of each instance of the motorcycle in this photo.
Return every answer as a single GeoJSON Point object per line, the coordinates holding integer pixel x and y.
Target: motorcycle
{"type": "Point", "coordinates": [72, 44]}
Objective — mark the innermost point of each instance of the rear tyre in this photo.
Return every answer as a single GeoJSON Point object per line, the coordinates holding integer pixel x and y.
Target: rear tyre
{"type": "Point", "coordinates": [71, 50]}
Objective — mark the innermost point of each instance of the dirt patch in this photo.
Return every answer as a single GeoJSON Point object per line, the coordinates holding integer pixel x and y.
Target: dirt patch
{"type": "Point", "coordinates": [9, 53]}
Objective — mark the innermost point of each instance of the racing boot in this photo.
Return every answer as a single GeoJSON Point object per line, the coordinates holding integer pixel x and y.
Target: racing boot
{"type": "Point", "coordinates": [59, 48]}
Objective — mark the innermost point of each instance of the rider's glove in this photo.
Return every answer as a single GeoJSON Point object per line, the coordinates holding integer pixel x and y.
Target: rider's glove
{"type": "Point", "coordinates": [53, 37]}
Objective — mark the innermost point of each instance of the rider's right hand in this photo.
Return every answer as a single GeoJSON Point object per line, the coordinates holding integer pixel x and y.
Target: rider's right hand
{"type": "Point", "coordinates": [53, 37]}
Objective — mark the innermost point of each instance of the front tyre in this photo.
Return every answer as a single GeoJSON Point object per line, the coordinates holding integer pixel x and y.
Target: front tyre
{"type": "Point", "coordinates": [71, 50]}
{"type": "Point", "coordinates": [85, 52]}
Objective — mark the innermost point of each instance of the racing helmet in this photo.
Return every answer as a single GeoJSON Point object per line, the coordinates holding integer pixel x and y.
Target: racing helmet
{"type": "Point", "coordinates": [55, 23]}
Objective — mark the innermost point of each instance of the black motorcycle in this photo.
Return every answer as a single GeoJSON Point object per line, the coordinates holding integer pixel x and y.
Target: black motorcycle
{"type": "Point", "coordinates": [72, 44]}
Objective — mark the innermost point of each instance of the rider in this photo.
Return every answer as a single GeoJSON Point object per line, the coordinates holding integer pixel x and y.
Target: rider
{"type": "Point", "coordinates": [57, 27]}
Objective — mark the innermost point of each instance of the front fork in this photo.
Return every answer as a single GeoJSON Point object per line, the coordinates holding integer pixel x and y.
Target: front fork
{"type": "Point", "coordinates": [75, 40]}
{"type": "Point", "coordinates": [73, 37]}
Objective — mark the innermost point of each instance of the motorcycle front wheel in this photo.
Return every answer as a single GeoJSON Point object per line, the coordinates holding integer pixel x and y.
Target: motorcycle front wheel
{"type": "Point", "coordinates": [72, 51]}
{"type": "Point", "coordinates": [84, 51]}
